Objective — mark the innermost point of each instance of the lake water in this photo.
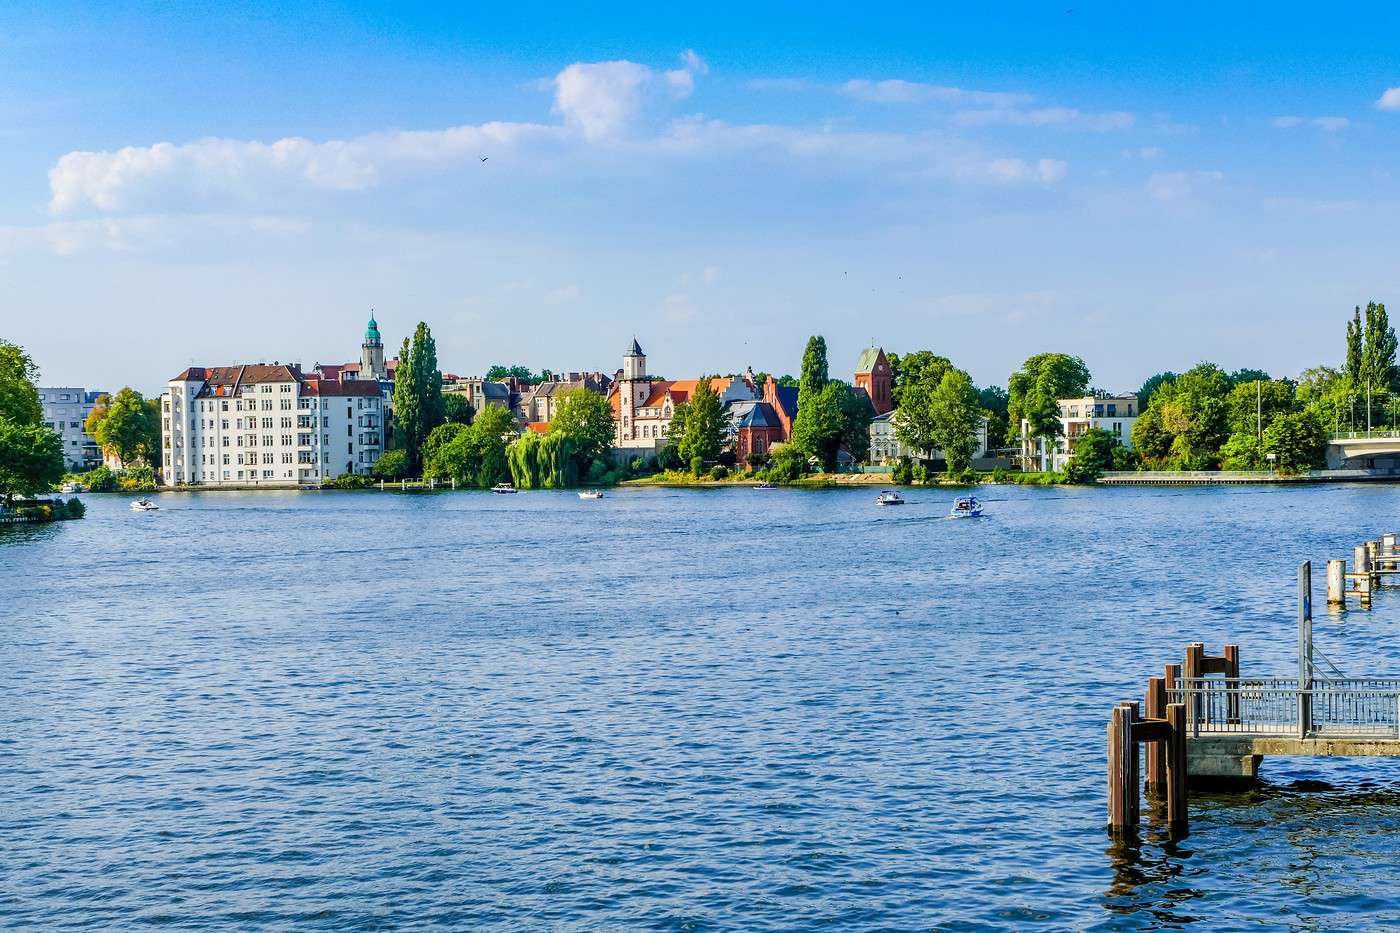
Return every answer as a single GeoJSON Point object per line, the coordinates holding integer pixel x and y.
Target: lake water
{"type": "Point", "coordinates": [672, 710]}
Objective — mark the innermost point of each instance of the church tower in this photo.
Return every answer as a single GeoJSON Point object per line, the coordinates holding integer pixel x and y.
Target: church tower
{"type": "Point", "coordinates": [634, 388]}
{"type": "Point", "coordinates": [874, 376]}
{"type": "Point", "coordinates": [372, 353]}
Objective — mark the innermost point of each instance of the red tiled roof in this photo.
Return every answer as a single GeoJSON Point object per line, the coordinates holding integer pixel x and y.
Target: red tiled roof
{"type": "Point", "coordinates": [364, 388]}
{"type": "Point", "coordinates": [538, 427]}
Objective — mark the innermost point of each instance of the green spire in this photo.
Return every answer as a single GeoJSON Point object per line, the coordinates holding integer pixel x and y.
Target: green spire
{"type": "Point", "coordinates": [372, 332]}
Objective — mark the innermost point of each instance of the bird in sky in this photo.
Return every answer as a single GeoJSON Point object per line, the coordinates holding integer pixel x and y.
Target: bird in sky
{"type": "Point", "coordinates": [484, 158]}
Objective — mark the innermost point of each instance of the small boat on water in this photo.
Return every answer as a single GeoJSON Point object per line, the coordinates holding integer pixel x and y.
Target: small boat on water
{"type": "Point", "coordinates": [889, 497]}
{"type": "Point", "coordinates": [70, 488]}
{"type": "Point", "coordinates": [765, 486]}
{"type": "Point", "coordinates": [503, 488]}
{"type": "Point", "coordinates": [590, 493]}
{"type": "Point", "coordinates": [144, 505]}
{"type": "Point", "coordinates": [966, 507]}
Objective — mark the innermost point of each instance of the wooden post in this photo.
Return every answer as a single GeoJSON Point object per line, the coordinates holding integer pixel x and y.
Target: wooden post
{"type": "Point", "coordinates": [1337, 583]}
{"type": "Point", "coordinates": [1155, 707]}
{"type": "Point", "coordinates": [1176, 768]}
{"type": "Point", "coordinates": [1122, 791]}
{"type": "Point", "coordinates": [1373, 551]}
{"type": "Point", "coordinates": [1305, 649]}
{"type": "Point", "coordinates": [1191, 673]}
{"type": "Point", "coordinates": [1388, 545]}
{"type": "Point", "coordinates": [1232, 687]}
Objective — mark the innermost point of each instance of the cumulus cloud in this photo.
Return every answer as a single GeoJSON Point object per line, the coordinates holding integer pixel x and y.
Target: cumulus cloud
{"type": "Point", "coordinates": [606, 107]}
{"type": "Point", "coordinates": [912, 92]}
{"type": "Point", "coordinates": [603, 98]}
{"type": "Point", "coordinates": [1046, 116]}
{"type": "Point", "coordinates": [1390, 100]}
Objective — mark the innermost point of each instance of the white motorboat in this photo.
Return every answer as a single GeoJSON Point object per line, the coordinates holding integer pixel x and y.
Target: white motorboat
{"type": "Point", "coordinates": [590, 493]}
{"type": "Point", "coordinates": [70, 488]}
{"type": "Point", "coordinates": [144, 505]}
{"type": "Point", "coordinates": [765, 486]}
{"type": "Point", "coordinates": [966, 507]}
{"type": "Point", "coordinates": [889, 497]}
{"type": "Point", "coordinates": [503, 488]}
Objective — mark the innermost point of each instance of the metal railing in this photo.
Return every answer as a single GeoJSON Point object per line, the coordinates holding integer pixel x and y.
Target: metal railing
{"type": "Point", "coordinates": [1350, 707]}
{"type": "Point", "coordinates": [1363, 435]}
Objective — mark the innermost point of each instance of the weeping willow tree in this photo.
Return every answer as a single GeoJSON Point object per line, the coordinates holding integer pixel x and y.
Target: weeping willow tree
{"type": "Point", "coordinates": [543, 462]}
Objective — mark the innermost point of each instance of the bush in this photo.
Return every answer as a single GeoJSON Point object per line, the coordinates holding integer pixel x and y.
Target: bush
{"type": "Point", "coordinates": [669, 458]}
{"type": "Point", "coordinates": [756, 459]}
{"type": "Point", "coordinates": [137, 479]}
{"type": "Point", "coordinates": [727, 459]}
{"type": "Point", "coordinates": [720, 472]}
{"type": "Point", "coordinates": [903, 473]}
{"type": "Point", "coordinates": [999, 475]}
{"type": "Point", "coordinates": [354, 481]}
{"type": "Point", "coordinates": [100, 479]}
{"type": "Point", "coordinates": [697, 466]}
{"type": "Point", "coordinates": [969, 477]}
{"type": "Point", "coordinates": [391, 465]}
{"type": "Point", "coordinates": [919, 474]}
{"type": "Point", "coordinates": [75, 508]}
{"type": "Point", "coordinates": [786, 466]}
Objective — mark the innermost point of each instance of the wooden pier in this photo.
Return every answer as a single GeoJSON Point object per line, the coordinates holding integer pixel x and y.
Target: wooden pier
{"type": "Point", "coordinates": [1206, 722]}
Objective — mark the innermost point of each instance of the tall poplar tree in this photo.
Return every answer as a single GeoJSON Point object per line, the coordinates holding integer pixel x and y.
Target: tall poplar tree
{"type": "Point", "coordinates": [1378, 357]}
{"type": "Point", "coordinates": [1355, 351]}
{"type": "Point", "coordinates": [418, 402]}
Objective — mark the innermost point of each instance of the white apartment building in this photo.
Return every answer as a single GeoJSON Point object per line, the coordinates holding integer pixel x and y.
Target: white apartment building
{"type": "Point", "coordinates": [65, 410]}
{"type": "Point", "coordinates": [267, 425]}
{"type": "Point", "coordinates": [885, 447]}
{"type": "Point", "coordinates": [1115, 414]}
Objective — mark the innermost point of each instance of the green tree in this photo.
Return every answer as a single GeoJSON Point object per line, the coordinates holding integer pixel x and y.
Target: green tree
{"type": "Point", "coordinates": [856, 415]}
{"type": "Point", "coordinates": [1355, 358]}
{"type": "Point", "coordinates": [586, 418]}
{"type": "Point", "coordinates": [814, 370]}
{"type": "Point", "coordinates": [1187, 421]}
{"type": "Point", "coordinates": [31, 459]}
{"type": "Point", "coordinates": [1151, 439]}
{"type": "Point", "coordinates": [1252, 406]}
{"type": "Point", "coordinates": [1034, 392]}
{"type": "Point", "coordinates": [19, 399]}
{"type": "Point", "coordinates": [456, 409]}
{"type": "Point", "coordinates": [499, 373]}
{"type": "Point", "coordinates": [1378, 358]}
{"type": "Point", "coordinates": [705, 429]}
{"type": "Point", "coordinates": [1093, 453]}
{"type": "Point", "coordinates": [127, 430]}
{"type": "Point", "coordinates": [995, 403]}
{"type": "Point", "coordinates": [1150, 386]}
{"type": "Point", "coordinates": [957, 415]}
{"type": "Point", "coordinates": [788, 381]}
{"type": "Point", "coordinates": [418, 404]}
{"type": "Point", "coordinates": [392, 464]}
{"type": "Point", "coordinates": [922, 367]}
{"type": "Point", "coordinates": [1240, 376]}
{"type": "Point", "coordinates": [98, 413]}
{"type": "Point", "coordinates": [1297, 440]}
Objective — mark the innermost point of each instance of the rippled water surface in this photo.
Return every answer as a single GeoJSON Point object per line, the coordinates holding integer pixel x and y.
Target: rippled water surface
{"type": "Point", "coordinates": [666, 709]}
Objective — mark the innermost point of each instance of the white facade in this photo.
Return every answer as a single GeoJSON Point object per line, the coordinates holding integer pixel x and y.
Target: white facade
{"type": "Point", "coordinates": [886, 447]}
{"type": "Point", "coordinates": [267, 426]}
{"type": "Point", "coordinates": [1115, 414]}
{"type": "Point", "coordinates": [65, 409]}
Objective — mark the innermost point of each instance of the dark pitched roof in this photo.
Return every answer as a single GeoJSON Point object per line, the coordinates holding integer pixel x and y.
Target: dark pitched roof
{"type": "Point", "coordinates": [755, 415]}
{"type": "Point", "coordinates": [636, 349]}
{"type": "Point", "coordinates": [787, 400]}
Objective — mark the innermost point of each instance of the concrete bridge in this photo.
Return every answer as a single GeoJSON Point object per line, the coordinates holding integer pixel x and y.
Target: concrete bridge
{"type": "Point", "coordinates": [1377, 450]}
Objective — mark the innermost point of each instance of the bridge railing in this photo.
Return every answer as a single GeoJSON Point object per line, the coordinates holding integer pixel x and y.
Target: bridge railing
{"type": "Point", "coordinates": [1348, 707]}
{"type": "Point", "coordinates": [1364, 435]}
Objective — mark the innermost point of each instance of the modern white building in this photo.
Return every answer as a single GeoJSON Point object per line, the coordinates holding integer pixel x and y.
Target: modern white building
{"type": "Point", "coordinates": [1115, 414]}
{"type": "Point", "coordinates": [65, 410]}
{"type": "Point", "coordinates": [267, 425]}
{"type": "Point", "coordinates": [885, 447]}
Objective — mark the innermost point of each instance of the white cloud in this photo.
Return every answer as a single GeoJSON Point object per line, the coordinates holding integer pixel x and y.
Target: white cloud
{"type": "Point", "coordinates": [1390, 100]}
{"type": "Point", "coordinates": [1046, 116]}
{"type": "Point", "coordinates": [1178, 186]}
{"type": "Point", "coordinates": [913, 92]}
{"type": "Point", "coordinates": [1330, 124]}
{"type": "Point", "coordinates": [602, 99]}
{"type": "Point", "coordinates": [1145, 153]}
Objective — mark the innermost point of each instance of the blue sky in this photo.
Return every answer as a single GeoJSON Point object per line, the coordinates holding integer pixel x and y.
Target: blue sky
{"type": "Point", "coordinates": [1145, 189]}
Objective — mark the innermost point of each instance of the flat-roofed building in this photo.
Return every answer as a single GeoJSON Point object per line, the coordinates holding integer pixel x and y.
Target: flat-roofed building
{"type": "Point", "coordinates": [65, 409]}
{"type": "Point", "coordinates": [1115, 414]}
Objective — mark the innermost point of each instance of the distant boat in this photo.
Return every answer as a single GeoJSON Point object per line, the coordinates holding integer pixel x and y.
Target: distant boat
{"type": "Point", "coordinates": [590, 493]}
{"type": "Point", "coordinates": [966, 507]}
{"type": "Point", "coordinates": [889, 497]}
{"type": "Point", "coordinates": [503, 488]}
{"type": "Point", "coordinates": [144, 505]}
{"type": "Point", "coordinates": [70, 488]}
{"type": "Point", "coordinates": [765, 486]}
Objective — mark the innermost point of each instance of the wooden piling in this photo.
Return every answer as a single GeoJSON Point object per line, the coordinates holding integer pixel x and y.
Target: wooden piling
{"type": "Point", "coordinates": [1361, 573]}
{"type": "Point", "coordinates": [1120, 742]}
{"type": "Point", "coordinates": [1337, 584]}
{"type": "Point", "coordinates": [1190, 673]}
{"type": "Point", "coordinates": [1232, 673]}
{"type": "Point", "coordinates": [1373, 564]}
{"type": "Point", "coordinates": [1388, 545]}
{"type": "Point", "coordinates": [1155, 707]}
{"type": "Point", "coordinates": [1176, 768]}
